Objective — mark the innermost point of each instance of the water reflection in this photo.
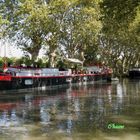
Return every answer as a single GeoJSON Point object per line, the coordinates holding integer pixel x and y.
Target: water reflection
{"type": "Point", "coordinates": [69, 123]}
{"type": "Point", "coordinates": [85, 109]}
{"type": "Point", "coordinates": [44, 115]}
{"type": "Point", "coordinates": [8, 119]}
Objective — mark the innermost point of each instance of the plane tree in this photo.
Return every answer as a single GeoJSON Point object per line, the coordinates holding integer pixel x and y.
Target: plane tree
{"type": "Point", "coordinates": [81, 28]}
{"type": "Point", "coordinates": [119, 39]}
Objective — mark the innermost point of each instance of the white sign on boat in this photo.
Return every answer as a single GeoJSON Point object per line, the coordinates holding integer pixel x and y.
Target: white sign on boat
{"type": "Point", "coordinates": [28, 82]}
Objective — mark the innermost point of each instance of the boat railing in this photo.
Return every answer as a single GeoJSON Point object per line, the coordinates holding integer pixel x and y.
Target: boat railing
{"type": "Point", "coordinates": [135, 69]}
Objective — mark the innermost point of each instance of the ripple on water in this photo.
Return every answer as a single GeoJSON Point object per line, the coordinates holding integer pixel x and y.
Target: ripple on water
{"type": "Point", "coordinates": [72, 113]}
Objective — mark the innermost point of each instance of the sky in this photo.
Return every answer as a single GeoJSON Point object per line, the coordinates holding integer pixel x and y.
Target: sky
{"type": "Point", "coordinates": [11, 50]}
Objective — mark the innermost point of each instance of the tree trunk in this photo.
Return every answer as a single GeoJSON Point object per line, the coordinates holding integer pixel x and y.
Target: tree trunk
{"type": "Point", "coordinates": [52, 56]}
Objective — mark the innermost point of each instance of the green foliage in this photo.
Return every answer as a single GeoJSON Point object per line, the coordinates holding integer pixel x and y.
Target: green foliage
{"type": "Point", "coordinates": [3, 27]}
{"type": "Point", "coordinates": [31, 16]}
{"type": "Point", "coordinates": [82, 29]}
{"type": "Point", "coordinates": [120, 34]}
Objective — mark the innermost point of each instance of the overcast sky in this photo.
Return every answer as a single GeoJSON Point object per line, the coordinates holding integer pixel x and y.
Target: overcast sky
{"type": "Point", "coordinates": [12, 50]}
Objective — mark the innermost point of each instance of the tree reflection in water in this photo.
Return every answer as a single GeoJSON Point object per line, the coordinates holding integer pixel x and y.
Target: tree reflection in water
{"type": "Point", "coordinates": [85, 109]}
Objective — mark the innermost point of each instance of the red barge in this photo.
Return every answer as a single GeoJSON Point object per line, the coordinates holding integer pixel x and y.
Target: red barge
{"type": "Point", "coordinates": [24, 77]}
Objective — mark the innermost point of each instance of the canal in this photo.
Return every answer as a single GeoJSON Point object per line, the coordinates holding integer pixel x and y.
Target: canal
{"type": "Point", "coordinates": [99, 111]}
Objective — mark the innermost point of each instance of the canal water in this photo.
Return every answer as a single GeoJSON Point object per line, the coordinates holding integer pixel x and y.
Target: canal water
{"type": "Point", "coordinates": [99, 111]}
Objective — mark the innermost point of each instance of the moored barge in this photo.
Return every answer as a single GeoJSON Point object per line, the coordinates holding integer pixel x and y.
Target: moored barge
{"type": "Point", "coordinates": [134, 73]}
{"type": "Point", "coordinates": [24, 77]}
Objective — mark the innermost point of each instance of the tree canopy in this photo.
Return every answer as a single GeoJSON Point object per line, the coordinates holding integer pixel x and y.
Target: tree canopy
{"type": "Point", "coordinates": [106, 31]}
